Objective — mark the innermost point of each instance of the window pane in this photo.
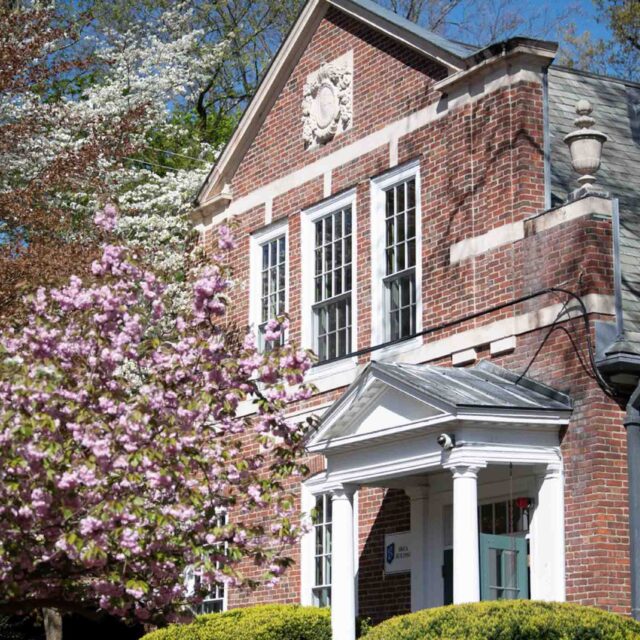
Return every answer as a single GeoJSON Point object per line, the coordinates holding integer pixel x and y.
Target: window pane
{"type": "Point", "coordinates": [405, 321]}
{"type": "Point", "coordinates": [411, 253]}
{"type": "Point", "coordinates": [411, 223]}
{"type": "Point", "coordinates": [400, 197]}
{"type": "Point", "coordinates": [390, 236]}
{"type": "Point", "coordinates": [400, 228]}
{"type": "Point", "coordinates": [328, 229]}
{"type": "Point", "coordinates": [411, 194]}
{"type": "Point", "coordinates": [390, 203]}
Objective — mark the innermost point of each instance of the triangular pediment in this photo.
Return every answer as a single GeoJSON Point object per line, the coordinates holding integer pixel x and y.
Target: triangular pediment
{"type": "Point", "coordinates": [392, 408]}
{"type": "Point", "coordinates": [376, 405]}
{"type": "Point", "coordinates": [389, 399]}
{"type": "Point", "coordinates": [451, 56]}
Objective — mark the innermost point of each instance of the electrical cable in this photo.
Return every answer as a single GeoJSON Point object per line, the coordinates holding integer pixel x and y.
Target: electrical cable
{"type": "Point", "coordinates": [602, 383]}
{"type": "Point", "coordinates": [151, 164]}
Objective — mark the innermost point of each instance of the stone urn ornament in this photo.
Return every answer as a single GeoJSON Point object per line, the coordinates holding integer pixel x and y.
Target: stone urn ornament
{"type": "Point", "coordinates": [585, 145]}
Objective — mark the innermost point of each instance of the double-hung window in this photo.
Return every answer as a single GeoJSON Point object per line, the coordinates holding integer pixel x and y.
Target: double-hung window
{"type": "Point", "coordinates": [269, 277]}
{"type": "Point", "coordinates": [322, 553]}
{"type": "Point", "coordinates": [395, 254]}
{"type": "Point", "coordinates": [332, 284]}
{"type": "Point", "coordinates": [328, 277]}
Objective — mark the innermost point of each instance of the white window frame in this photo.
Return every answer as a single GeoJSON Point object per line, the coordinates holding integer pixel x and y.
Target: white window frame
{"type": "Point", "coordinates": [379, 310]}
{"type": "Point", "coordinates": [307, 239]}
{"type": "Point", "coordinates": [256, 241]}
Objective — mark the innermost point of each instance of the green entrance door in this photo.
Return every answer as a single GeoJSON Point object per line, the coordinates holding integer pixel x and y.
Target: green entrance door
{"type": "Point", "coordinates": [503, 567]}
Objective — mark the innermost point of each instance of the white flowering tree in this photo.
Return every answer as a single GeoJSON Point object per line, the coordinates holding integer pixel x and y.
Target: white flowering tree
{"type": "Point", "coordinates": [79, 113]}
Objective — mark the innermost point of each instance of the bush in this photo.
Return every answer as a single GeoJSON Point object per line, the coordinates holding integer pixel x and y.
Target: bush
{"type": "Point", "coordinates": [508, 620]}
{"type": "Point", "coordinates": [264, 622]}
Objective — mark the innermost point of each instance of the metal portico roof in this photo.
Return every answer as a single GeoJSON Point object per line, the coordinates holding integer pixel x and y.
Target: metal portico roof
{"type": "Point", "coordinates": [485, 385]}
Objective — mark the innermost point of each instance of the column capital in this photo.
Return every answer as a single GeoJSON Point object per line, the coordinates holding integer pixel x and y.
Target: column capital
{"type": "Point", "coordinates": [417, 492]}
{"type": "Point", "coordinates": [460, 470]}
{"type": "Point", "coordinates": [343, 492]}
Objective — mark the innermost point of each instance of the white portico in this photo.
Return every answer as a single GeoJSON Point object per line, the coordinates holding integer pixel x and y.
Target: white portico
{"type": "Point", "coordinates": [470, 538]}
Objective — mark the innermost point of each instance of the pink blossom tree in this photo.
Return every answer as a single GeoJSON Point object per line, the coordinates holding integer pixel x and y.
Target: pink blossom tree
{"type": "Point", "coordinates": [122, 444]}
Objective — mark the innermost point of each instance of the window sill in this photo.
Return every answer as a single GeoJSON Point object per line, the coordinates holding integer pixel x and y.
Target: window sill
{"type": "Point", "coordinates": [333, 375]}
{"type": "Point", "coordinates": [394, 351]}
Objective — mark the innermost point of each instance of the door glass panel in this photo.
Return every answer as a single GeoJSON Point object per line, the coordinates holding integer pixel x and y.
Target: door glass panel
{"type": "Point", "coordinates": [509, 572]}
{"type": "Point", "coordinates": [501, 518]}
{"type": "Point", "coordinates": [495, 574]}
{"type": "Point", "coordinates": [486, 518]}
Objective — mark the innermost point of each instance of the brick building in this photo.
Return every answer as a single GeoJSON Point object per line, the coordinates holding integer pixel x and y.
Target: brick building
{"type": "Point", "coordinates": [409, 202]}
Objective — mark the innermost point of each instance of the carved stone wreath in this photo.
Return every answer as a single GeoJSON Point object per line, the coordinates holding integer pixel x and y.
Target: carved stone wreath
{"type": "Point", "coordinates": [326, 104]}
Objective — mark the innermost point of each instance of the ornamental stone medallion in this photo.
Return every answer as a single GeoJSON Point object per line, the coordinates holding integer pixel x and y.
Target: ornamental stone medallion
{"type": "Point", "coordinates": [327, 101]}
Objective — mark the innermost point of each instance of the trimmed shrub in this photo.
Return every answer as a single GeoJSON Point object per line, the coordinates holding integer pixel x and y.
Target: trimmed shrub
{"type": "Point", "coordinates": [508, 620]}
{"type": "Point", "coordinates": [263, 622]}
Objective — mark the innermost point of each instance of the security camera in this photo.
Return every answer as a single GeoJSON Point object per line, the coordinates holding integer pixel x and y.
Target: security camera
{"type": "Point", "coordinates": [447, 441]}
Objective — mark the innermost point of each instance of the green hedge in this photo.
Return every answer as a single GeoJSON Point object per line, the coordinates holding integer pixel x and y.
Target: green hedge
{"type": "Point", "coordinates": [508, 620]}
{"type": "Point", "coordinates": [263, 622]}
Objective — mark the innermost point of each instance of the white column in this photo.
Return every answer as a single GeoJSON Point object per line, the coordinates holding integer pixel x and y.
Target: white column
{"type": "Point", "coordinates": [418, 497]}
{"type": "Point", "coordinates": [343, 593]}
{"type": "Point", "coordinates": [466, 555]}
{"type": "Point", "coordinates": [307, 547]}
{"type": "Point", "coordinates": [547, 537]}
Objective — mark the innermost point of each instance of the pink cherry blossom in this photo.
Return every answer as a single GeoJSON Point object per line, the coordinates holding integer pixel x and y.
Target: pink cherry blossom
{"type": "Point", "coordinates": [121, 445]}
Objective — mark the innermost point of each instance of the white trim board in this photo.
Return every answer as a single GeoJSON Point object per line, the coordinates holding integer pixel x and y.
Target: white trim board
{"type": "Point", "coordinates": [388, 135]}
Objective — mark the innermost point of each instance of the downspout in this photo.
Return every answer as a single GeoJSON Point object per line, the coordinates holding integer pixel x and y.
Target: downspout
{"type": "Point", "coordinates": [632, 425]}
{"type": "Point", "coordinates": [546, 138]}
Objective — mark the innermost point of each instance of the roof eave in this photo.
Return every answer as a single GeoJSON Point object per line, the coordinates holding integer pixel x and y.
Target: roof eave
{"type": "Point", "coordinates": [399, 33]}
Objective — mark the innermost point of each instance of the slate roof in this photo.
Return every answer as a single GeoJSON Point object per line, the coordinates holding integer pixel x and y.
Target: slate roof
{"type": "Point", "coordinates": [616, 109]}
{"type": "Point", "coordinates": [456, 48]}
{"type": "Point", "coordinates": [483, 386]}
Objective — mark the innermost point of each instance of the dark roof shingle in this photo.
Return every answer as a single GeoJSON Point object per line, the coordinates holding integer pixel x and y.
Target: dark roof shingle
{"type": "Point", "coordinates": [616, 109]}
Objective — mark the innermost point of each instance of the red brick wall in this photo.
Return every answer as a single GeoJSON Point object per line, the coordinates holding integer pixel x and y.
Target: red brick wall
{"type": "Point", "coordinates": [481, 167]}
{"type": "Point", "coordinates": [381, 511]}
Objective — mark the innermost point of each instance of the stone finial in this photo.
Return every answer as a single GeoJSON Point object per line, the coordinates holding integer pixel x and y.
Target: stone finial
{"type": "Point", "coordinates": [585, 145]}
